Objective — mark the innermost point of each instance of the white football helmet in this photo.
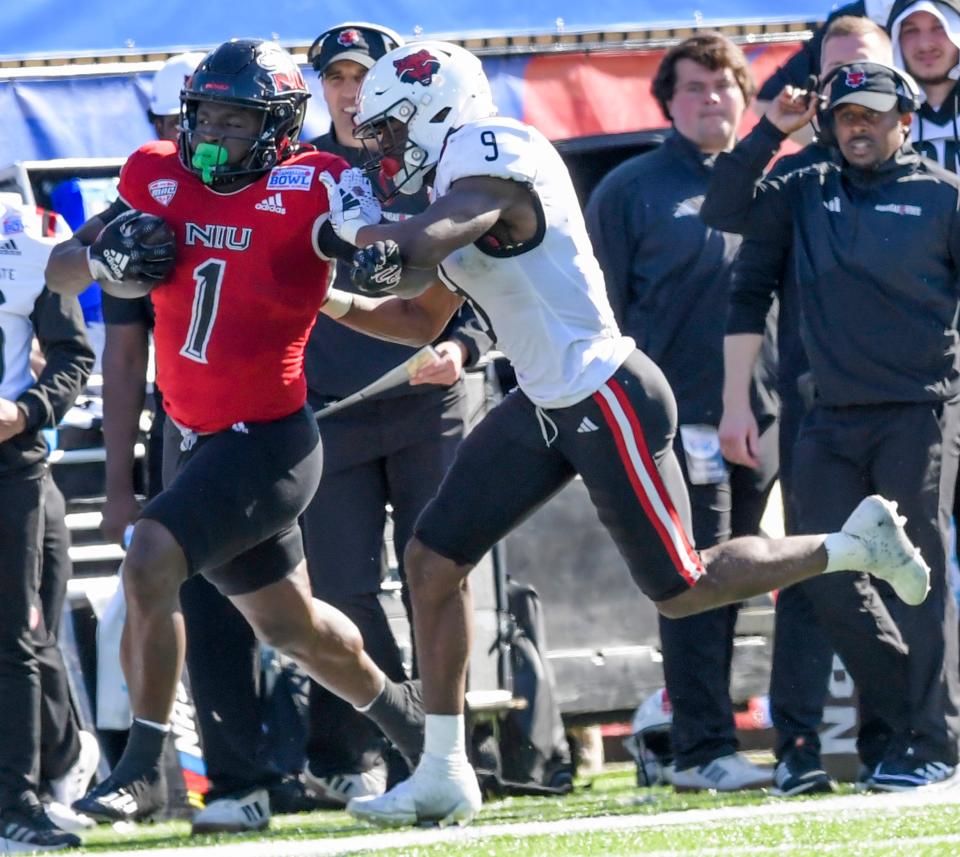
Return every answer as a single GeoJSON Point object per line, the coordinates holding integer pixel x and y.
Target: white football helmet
{"type": "Point", "coordinates": [427, 88]}
{"type": "Point", "coordinates": [169, 80]}
{"type": "Point", "coordinates": [649, 739]}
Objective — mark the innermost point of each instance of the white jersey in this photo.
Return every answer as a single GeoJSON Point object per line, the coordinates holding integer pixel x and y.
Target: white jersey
{"type": "Point", "coordinates": [546, 301]}
{"type": "Point", "coordinates": [24, 250]}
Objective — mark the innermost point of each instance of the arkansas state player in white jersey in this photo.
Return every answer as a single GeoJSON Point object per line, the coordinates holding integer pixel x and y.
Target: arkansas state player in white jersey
{"type": "Point", "coordinates": [227, 226]}
{"type": "Point", "coordinates": [506, 232]}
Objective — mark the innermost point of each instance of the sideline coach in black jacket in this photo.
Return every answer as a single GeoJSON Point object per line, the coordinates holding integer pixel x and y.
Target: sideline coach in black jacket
{"type": "Point", "coordinates": [876, 245]}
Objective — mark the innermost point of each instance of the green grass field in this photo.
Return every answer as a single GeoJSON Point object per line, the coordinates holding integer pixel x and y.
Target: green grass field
{"type": "Point", "coordinates": [606, 816]}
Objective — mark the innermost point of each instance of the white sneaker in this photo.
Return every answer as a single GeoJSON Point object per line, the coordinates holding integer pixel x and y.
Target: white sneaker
{"type": "Point", "coordinates": [731, 773]}
{"type": "Point", "coordinates": [339, 789]}
{"type": "Point", "coordinates": [66, 818]}
{"type": "Point", "coordinates": [247, 811]}
{"type": "Point", "coordinates": [73, 784]}
{"type": "Point", "coordinates": [439, 791]}
{"type": "Point", "coordinates": [886, 549]}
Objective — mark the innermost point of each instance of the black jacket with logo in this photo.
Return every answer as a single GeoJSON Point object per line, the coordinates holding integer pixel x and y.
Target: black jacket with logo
{"type": "Point", "coordinates": [763, 270]}
{"type": "Point", "coordinates": [668, 276]}
{"type": "Point", "coordinates": [876, 256]}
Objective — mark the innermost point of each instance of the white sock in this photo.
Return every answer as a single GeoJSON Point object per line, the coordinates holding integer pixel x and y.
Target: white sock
{"type": "Point", "coordinates": [444, 737]}
{"type": "Point", "coordinates": [162, 727]}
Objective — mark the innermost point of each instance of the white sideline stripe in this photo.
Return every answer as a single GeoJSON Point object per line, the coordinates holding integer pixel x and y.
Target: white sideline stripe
{"type": "Point", "coordinates": [676, 537]}
{"type": "Point", "coordinates": [783, 810]}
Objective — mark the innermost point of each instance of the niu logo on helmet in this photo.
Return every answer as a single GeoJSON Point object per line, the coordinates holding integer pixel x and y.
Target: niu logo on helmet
{"type": "Point", "coordinates": [287, 80]}
{"type": "Point", "coordinates": [417, 68]}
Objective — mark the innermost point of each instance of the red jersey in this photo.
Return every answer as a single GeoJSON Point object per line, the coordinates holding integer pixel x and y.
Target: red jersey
{"type": "Point", "coordinates": [233, 318]}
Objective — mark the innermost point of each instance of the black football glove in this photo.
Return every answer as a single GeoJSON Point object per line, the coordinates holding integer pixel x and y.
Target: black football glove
{"type": "Point", "coordinates": [133, 247]}
{"type": "Point", "coordinates": [377, 267]}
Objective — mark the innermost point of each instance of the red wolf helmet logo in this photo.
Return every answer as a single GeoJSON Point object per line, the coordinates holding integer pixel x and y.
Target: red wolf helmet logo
{"type": "Point", "coordinates": [856, 79]}
{"type": "Point", "coordinates": [417, 68]}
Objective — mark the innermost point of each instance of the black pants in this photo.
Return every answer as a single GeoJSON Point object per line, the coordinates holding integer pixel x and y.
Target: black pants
{"type": "Point", "coordinates": [59, 726]}
{"type": "Point", "coordinates": [223, 661]}
{"type": "Point", "coordinates": [31, 666]}
{"type": "Point", "coordinates": [389, 451]}
{"type": "Point", "coordinates": [903, 659]}
{"type": "Point", "coordinates": [698, 650]}
{"type": "Point", "coordinates": [802, 652]}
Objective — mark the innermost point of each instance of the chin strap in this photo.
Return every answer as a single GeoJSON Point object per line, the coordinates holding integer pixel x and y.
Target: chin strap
{"type": "Point", "coordinates": [207, 156]}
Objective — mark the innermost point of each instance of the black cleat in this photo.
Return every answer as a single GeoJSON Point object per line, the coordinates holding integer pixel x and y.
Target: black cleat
{"type": "Point", "coordinates": [135, 800]}
{"type": "Point", "coordinates": [25, 827]}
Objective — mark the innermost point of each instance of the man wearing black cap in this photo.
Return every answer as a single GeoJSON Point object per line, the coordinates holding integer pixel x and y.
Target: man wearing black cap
{"type": "Point", "coordinates": [393, 449]}
{"type": "Point", "coordinates": [876, 248]}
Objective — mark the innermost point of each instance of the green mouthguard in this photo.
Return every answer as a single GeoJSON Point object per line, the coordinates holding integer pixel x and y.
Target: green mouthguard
{"type": "Point", "coordinates": [207, 156]}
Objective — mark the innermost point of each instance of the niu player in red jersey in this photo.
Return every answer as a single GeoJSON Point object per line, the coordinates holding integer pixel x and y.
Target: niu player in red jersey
{"type": "Point", "coordinates": [226, 230]}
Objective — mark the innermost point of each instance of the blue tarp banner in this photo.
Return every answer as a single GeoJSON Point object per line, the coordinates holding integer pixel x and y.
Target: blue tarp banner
{"type": "Point", "coordinates": [106, 116]}
{"type": "Point", "coordinates": [70, 28]}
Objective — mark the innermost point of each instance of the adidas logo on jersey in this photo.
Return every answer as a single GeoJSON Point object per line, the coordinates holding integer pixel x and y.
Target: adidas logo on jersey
{"type": "Point", "coordinates": [587, 424]}
{"type": "Point", "coordinates": [273, 203]}
{"type": "Point", "coordinates": [9, 248]}
{"type": "Point", "coordinates": [832, 205]}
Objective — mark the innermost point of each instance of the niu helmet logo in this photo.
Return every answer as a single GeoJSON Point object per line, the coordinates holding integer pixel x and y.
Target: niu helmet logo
{"type": "Point", "coordinates": [287, 80]}
{"type": "Point", "coordinates": [856, 79]}
{"type": "Point", "coordinates": [417, 68]}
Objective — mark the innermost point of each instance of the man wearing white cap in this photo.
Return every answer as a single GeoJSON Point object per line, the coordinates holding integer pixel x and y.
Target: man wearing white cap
{"type": "Point", "coordinates": [926, 43]}
{"type": "Point", "coordinates": [164, 110]}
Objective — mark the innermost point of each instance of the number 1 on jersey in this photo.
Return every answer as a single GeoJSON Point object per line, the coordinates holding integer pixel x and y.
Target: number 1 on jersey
{"type": "Point", "coordinates": [206, 300]}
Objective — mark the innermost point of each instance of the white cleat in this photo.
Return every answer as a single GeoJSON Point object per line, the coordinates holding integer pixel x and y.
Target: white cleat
{"type": "Point", "coordinates": [438, 791]}
{"type": "Point", "coordinates": [66, 818]}
{"type": "Point", "coordinates": [340, 789]}
{"type": "Point", "coordinates": [73, 784]}
{"type": "Point", "coordinates": [731, 773]}
{"type": "Point", "coordinates": [888, 552]}
{"type": "Point", "coordinates": [249, 810]}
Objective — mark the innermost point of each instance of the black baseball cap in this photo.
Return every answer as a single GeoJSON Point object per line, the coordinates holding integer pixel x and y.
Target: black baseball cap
{"type": "Point", "coordinates": [868, 84]}
{"type": "Point", "coordinates": [361, 43]}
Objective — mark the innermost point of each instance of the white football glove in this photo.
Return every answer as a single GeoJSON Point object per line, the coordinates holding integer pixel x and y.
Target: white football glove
{"type": "Point", "coordinates": [353, 205]}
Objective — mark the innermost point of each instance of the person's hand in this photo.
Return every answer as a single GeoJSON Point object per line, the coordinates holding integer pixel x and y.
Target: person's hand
{"type": "Point", "coordinates": [377, 268]}
{"type": "Point", "coordinates": [446, 370]}
{"type": "Point", "coordinates": [739, 436]}
{"type": "Point", "coordinates": [793, 108]}
{"type": "Point", "coordinates": [353, 205]}
{"type": "Point", "coordinates": [119, 511]}
{"type": "Point", "coordinates": [135, 249]}
{"type": "Point", "coordinates": [12, 420]}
